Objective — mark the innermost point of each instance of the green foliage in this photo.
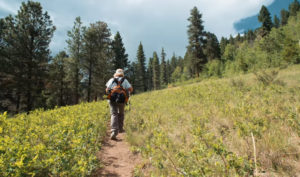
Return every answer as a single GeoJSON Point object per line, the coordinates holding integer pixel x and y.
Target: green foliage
{"type": "Point", "coordinates": [156, 72]}
{"type": "Point", "coordinates": [163, 68]}
{"type": "Point", "coordinates": [277, 49]}
{"type": "Point", "coordinates": [196, 34]}
{"type": "Point", "coordinates": [25, 40]}
{"type": "Point", "coordinates": [176, 75]}
{"type": "Point", "coordinates": [214, 68]}
{"type": "Point", "coordinates": [204, 129]}
{"type": "Point", "coordinates": [266, 78]}
{"type": "Point", "coordinates": [294, 8]}
{"type": "Point", "coordinates": [212, 47]}
{"type": "Point", "coordinates": [59, 142]}
{"type": "Point", "coordinates": [276, 21]}
{"type": "Point", "coordinates": [75, 47]}
{"type": "Point", "coordinates": [223, 44]}
{"type": "Point", "coordinates": [58, 88]}
{"type": "Point", "coordinates": [96, 59]}
{"type": "Point", "coordinates": [150, 74]}
{"type": "Point", "coordinates": [250, 36]}
{"type": "Point", "coordinates": [265, 18]}
{"type": "Point", "coordinates": [120, 58]}
{"type": "Point", "coordinates": [140, 78]}
{"type": "Point", "coordinates": [284, 17]}
{"type": "Point", "coordinates": [229, 53]}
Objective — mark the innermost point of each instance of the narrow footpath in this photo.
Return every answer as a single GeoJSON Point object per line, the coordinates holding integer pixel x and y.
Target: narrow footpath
{"type": "Point", "coordinates": [116, 158]}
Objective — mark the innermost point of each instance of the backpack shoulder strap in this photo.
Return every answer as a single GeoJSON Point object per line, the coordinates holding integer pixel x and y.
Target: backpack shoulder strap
{"type": "Point", "coordinates": [115, 80]}
{"type": "Point", "coordinates": [119, 83]}
{"type": "Point", "coordinates": [122, 80]}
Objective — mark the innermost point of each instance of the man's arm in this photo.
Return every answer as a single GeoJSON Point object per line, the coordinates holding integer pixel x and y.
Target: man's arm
{"type": "Point", "coordinates": [130, 90]}
{"type": "Point", "coordinates": [108, 85]}
{"type": "Point", "coordinates": [107, 90]}
{"type": "Point", "coordinates": [127, 86]}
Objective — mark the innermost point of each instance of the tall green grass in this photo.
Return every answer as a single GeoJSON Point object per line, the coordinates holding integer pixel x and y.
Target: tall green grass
{"type": "Point", "coordinates": [206, 128]}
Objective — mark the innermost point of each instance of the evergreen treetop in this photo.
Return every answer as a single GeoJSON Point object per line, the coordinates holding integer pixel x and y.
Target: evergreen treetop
{"type": "Point", "coordinates": [294, 8]}
{"type": "Point", "coordinates": [265, 18]}
{"type": "Point", "coordinates": [163, 68]}
{"type": "Point", "coordinates": [141, 69]}
{"type": "Point", "coordinates": [196, 34]}
{"type": "Point", "coordinates": [120, 58]}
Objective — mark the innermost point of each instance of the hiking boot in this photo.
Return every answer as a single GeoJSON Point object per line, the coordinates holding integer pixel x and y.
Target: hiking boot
{"type": "Point", "coordinates": [113, 136]}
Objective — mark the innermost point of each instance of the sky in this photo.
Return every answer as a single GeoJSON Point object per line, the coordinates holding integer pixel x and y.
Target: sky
{"type": "Point", "coordinates": [252, 22]}
{"type": "Point", "coordinates": [155, 23]}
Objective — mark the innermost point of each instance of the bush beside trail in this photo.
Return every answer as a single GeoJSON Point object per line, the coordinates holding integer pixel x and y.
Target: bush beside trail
{"type": "Point", "coordinates": [59, 142]}
{"type": "Point", "coordinates": [209, 128]}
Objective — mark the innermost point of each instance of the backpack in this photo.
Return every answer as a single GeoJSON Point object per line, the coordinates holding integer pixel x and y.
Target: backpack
{"type": "Point", "coordinates": [118, 94]}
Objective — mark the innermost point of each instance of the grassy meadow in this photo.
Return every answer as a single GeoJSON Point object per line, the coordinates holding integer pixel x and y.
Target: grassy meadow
{"type": "Point", "coordinates": [59, 142]}
{"type": "Point", "coordinates": [238, 126]}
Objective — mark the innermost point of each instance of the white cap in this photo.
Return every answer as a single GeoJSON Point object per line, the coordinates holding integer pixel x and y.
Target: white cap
{"type": "Point", "coordinates": [119, 73]}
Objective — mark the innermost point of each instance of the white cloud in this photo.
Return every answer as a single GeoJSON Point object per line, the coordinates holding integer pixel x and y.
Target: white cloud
{"type": "Point", "coordinates": [157, 23]}
{"type": "Point", "coordinates": [8, 7]}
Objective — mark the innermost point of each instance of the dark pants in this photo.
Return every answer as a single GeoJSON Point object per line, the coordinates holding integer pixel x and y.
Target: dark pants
{"type": "Point", "coordinates": [117, 116]}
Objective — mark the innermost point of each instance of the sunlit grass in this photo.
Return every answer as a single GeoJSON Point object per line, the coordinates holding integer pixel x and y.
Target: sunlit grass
{"type": "Point", "coordinates": [205, 128]}
{"type": "Point", "coordinates": [59, 142]}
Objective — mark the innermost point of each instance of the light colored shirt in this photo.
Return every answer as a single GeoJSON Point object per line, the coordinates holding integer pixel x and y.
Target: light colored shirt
{"type": "Point", "coordinates": [110, 84]}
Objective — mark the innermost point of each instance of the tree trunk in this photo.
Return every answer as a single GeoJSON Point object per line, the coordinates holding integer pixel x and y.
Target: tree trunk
{"type": "Point", "coordinates": [77, 85]}
{"type": "Point", "coordinates": [90, 82]}
{"type": "Point", "coordinates": [29, 89]}
{"type": "Point", "coordinates": [18, 101]}
{"type": "Point", "coordinates": [61, 91]}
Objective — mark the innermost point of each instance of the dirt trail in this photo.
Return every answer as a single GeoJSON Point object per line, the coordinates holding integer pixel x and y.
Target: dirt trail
{"type": "Point", "coordinates": [117, 159]}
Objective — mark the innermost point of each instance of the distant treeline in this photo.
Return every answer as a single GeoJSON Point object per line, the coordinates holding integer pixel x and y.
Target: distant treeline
{"type": "Point", "coordinates": [275, 44]}
{"type": "Point", "coordinates": [30, 78]}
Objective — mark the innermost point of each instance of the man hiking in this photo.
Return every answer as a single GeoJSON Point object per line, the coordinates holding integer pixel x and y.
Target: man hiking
{"type": "Point", "coordinates": [118, 89]}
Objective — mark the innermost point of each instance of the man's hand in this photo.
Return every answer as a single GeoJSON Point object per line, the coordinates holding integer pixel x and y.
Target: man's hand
{"type": "Point", "coordinates": [107, 91]}
{"type": "Point", "coordinates": [130, 90]}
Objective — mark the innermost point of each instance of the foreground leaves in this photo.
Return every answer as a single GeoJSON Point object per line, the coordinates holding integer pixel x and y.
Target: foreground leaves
{"type": "Point", "coordinates": [59, 142]}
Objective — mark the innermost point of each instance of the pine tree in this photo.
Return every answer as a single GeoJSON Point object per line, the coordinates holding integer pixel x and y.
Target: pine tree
{"type": "Point", "coordinates": [75, 49]}
{"type": "Point", "coordinates": [163, 68]}
{"type": "Point", "coordinates": [150, 74]}
{"type": "Point", "coordinates": [140, 79]}
{"type": "Point", "coordinates": [223, 44]}
{"type": "Point", "coordinates": [231, 40]}
{"type": "Point", "coordinates": [212, 47]}
{"type": "Point", "coordinates": [173, 63]}
{"type": "Point", "coordinates": [294, 8]}
{"type": "Point", "coordinates": [284, 17]}
{"type": "Point", "coordinates": [120, 58]}
{"type": "Point", "coordinates": [130, 74]}
{"type": "Point", "coordinates": [156, 72]}
{"type": "Point", "coordinates": [250, 36]}
{"type": "Point", "coordinates": [26, 55]}
{"type": "Point", "coordinates": [238, 38]}
{"type": "Point", "coordinates": [95, 63]}
{"type": "Point", "coordinates": [276, 21]}
{"type": "Point", "coordinates": [265, 18]}
{"type": "Point", "coordinates": [169, 71]}
{"type": "Point", "coordinates": [57, 86]}
{"type": "Point", "coordinates": [2, 66]}
{"type": "Point", "coordinates": [196, 57]}
{"type": "Point", "coordinates": [10, 71]}
{"type": "Point", "coordinates": [180, 62]}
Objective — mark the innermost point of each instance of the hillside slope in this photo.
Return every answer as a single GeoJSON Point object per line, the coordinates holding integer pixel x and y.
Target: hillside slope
{"type": "Point", "coordinates": [59, 142]}
{"type": "Point", "coordinates": [209, 128]}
